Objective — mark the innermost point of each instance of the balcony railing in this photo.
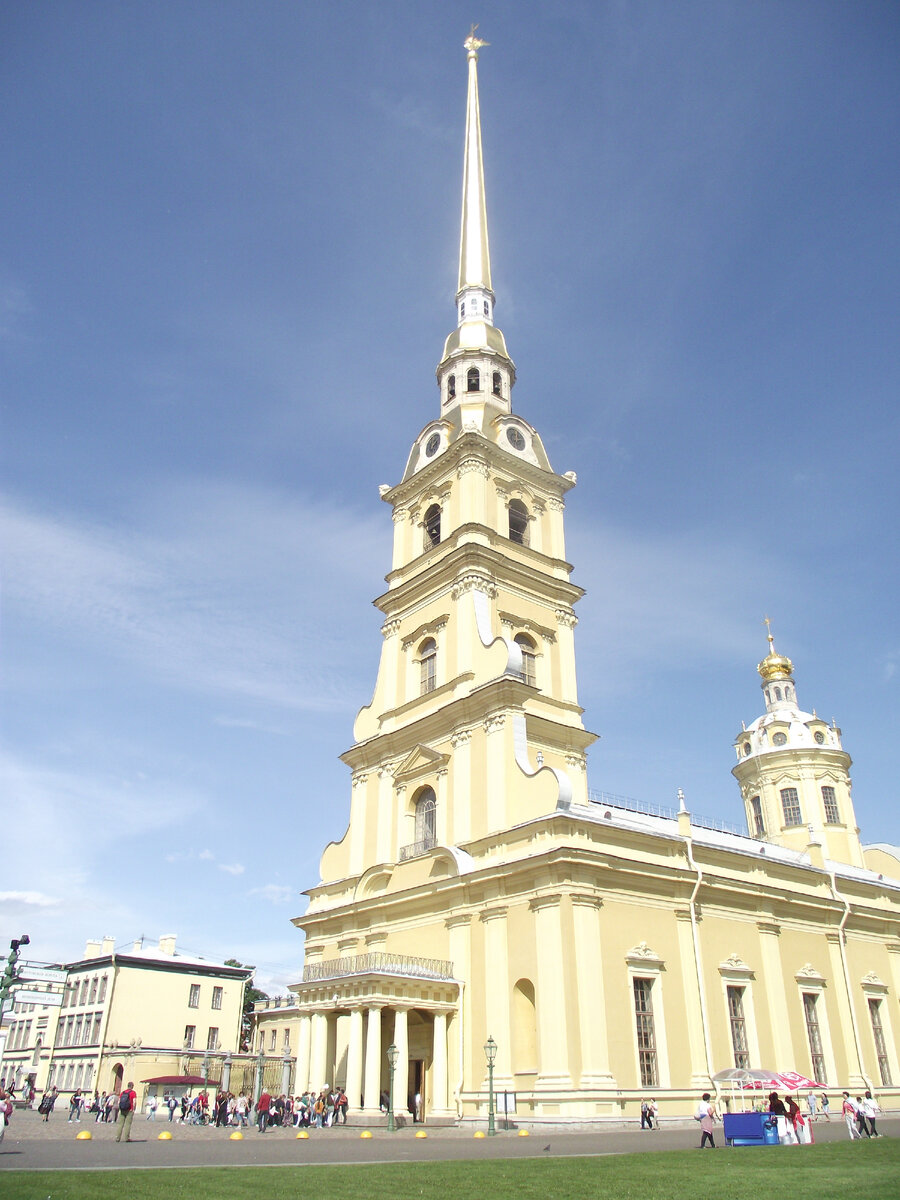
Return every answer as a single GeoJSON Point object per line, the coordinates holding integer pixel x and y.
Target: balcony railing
{"type": "Point", "coordinates": [378, 963]}
{"type": "Point", "coordinates": [416, 848]}
{"type": "Point", "coordinates": [610, 800]}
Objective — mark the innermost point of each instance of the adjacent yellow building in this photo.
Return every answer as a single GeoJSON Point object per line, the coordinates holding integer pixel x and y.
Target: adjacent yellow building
{"type": "Point", "coordinates": [138, 1013]}
{"type": "Point", "coordinates": [481, 890]}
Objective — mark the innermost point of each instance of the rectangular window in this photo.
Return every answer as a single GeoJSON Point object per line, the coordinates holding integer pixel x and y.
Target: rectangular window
{"type": "Point", "coordinates": [790, 803]}
{"type": "Point", "coordinates": [95, 1032]}
{"type": "Point", "coordinates": [759, 825]}
{"type": "Point", "coordinates": [880, 1047]}
{"type": "Point", "coordinates": [287, 1039]}
{"type": "Point", "coordinates": [92, 995]}
{"type": "Point", "coordinates": [832, 816]}
{"type": "Point", "coordinates": [194, 997]}
{"type": "Point", "coordinates": [738, 1027]}
{"type": "Point", "coordinates": [102, 995]}
{"type": "Point", "coordinates": [272, 1039]}
{"type": "Point", "coordinates": [190, 1032]}
{"type": "Point", "coordinates": [810, 1002]}
{"type": "Point", "coordinates": [76, 1040]}
{"type": "Point", "coordinates": [212, 1038]}
{"type": "Point", "coordinates": [646, 1034]}
{"type": "Point", "coordinates": [82, 999]}
{"type": "Point", "coordinates": [217, 997]}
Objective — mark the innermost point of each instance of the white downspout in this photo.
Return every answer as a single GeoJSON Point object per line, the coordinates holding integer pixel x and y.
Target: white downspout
{"type": "Point", "coordinates": [704, 1020]}
{"type": "Point", "coordinates": [842, 943]}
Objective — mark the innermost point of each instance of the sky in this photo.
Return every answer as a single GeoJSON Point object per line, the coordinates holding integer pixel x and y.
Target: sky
{"type": "Point", "coordinates": [227, 265]}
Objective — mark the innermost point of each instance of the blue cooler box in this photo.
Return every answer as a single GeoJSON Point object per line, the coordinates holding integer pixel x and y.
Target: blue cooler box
{"type": "Point", "coordinates": [750, 1129]}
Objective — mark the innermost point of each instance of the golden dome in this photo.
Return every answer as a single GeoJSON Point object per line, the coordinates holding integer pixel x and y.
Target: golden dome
{"type": "Point", "coordinates": [775, 666]}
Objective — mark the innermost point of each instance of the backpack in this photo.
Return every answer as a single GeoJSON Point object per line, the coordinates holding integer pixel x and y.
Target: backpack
{"type": "Point", "coordinates": [125, 1102]}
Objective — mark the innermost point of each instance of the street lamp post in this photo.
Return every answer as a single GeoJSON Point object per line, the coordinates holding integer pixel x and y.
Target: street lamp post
{"type": "Point", "coordinates": [393, 1054]}
{"type": "Point", "coordinates": [490, 1053]}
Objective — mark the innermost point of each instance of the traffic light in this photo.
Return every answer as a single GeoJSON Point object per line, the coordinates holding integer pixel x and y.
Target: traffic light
{"type": "Point", "coordinates": [11, 970]}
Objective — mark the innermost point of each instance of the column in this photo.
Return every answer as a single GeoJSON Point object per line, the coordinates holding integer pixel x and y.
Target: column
{"type": "Point", "coordinates": [372, 1086]}
{"type": "Point", "coordinates": [385, 849]}
{"type": "Point", "coordinates": [439, 1103]}
{"type": "Point", "coordinates": [459, 821]}
{"type": "Point", "coordinates": [498, 756]}
{"type": "Point", "coordinates": [355, 1059]}
{"type": "Point", "coordinates": [553, 1040]}
{"type": "Point", "coordinates": [459, 931]}
{"type": "Point", "coordinates": [286, 1075]}
{"type": "Point", "coordinates": [855, 1073]}
{"type": "Point", "coordinates": [776, 1001]}
{"type": "Point", "coordinates": [496, 1001]}
{"type": "Point", "coordinates": [303, 1043]}
{"type": "Point", "coordinates": [691, 1010]}
{"type": "Point", "coordinates": [401, 1072]}
{"type": "Point", "coordinates": [594, 1034]}
{"type": "Point", "coordinates": [318, 1054]}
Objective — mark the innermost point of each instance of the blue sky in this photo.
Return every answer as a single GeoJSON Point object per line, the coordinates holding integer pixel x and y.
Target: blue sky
{"type": "Point", "coordinates": [226, 273]}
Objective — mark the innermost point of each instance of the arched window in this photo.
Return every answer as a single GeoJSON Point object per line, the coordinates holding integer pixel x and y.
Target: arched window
{"type": "Point", "coordinates": [487, 310]}
{"type": "Point", "coordinates": [518, 522]}
{"type": "Point", "coordinates": [462, 311]}
{"type": "Point", "coordinates": [432, 526]}
{"type": "Point", "coordinates": [527, 646]}
{"type": "Point", "coordinates": [426, 819]}
{"type": "Point", "coordinates": [496, 383]}
{"type": "Point", "coordinates": [778, 693]}
{"type": "Point", "coordinates": [428, 665]}
{"type": "Point", "coordinates": [473, 380]}
{"type": "Point", "coordinates": [451, 387]}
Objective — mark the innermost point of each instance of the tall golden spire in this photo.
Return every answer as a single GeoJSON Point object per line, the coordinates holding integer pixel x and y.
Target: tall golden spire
{"type": "Point", "coordinates": [474, 251]}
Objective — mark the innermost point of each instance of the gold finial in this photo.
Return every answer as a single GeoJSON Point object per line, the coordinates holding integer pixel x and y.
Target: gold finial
{"type": "Point", "coordinates": [472, 43]}
{"type": "Point", "coordinates": [774, 665]}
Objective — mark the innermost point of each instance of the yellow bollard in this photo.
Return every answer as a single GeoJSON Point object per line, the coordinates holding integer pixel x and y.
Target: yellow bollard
{"type": "Point", "coordinates": [524, 1133]}
{"type": "Point", "coordinates": [303, 1134]}
{"type": "Point", "coordinates": [478, 1133]}
{"type": "Point", "coordinates": [84, 1136]}
{"type": "Point", "coordinates": [366, 1133]}
{"type": "Point", "coordinates": [237, 1136]}
{"type": "Point", "coordinates": [165, 1136]}
{"type": "Point", "coordinates": [421, 1133]}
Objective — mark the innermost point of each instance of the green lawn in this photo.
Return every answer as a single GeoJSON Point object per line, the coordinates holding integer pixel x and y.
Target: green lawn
{"type": "Point", "coordinates": [844, 1171]}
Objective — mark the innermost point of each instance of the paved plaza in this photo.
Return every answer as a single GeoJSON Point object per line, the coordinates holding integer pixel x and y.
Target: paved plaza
{"type": "Point", "coordinates": [32, 1145]}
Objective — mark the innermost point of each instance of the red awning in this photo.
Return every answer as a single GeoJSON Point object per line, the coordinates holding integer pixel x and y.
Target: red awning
{"type": "Point", "coordinates": [182, 1080]}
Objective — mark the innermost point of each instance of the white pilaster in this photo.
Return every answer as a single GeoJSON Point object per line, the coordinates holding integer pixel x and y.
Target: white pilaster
{"type": "Point", "coordinates": [553, 1039]}
{"type": "Point", "coordinates": [595, 1072]}
{"type": "Point", "coordinates": [496, 998]}
{"type": "Point", "coordinates": [353, 1085]}
{"type": "Point", "coordinates": [373, 1065]}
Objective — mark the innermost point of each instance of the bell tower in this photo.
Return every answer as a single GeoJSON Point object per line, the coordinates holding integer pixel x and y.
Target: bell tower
{"type": "Point", "coordinates": [794, 774]}
{"type": "Point", "coordinates": [474, 725]}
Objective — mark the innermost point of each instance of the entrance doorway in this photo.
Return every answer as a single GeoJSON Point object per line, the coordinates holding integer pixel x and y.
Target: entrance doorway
{"type": "Point", "coordinates": [416, 1089]}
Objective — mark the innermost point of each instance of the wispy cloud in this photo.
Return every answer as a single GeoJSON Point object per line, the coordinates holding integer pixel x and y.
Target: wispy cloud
{"type": "Point", "coordinates": [204, 596]}
{"type": "Point", "coordinates": [275, 893]}
{"type": "Point", "coordinates": [29, 899]}
{"type": "Point", "coordinates": [232, 868]}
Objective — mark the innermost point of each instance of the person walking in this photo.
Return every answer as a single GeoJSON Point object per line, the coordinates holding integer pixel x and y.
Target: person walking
{"type": "Point", "coordinates": [812, 1104]}
{"type": "Point", "coordinates": [848, 1111]}
{"type": "Point", "coordinates": [706, 1115]}
{"type": "Point", "coordinates": [646, 1119]}
{"type": "Point", "coordinates": [826, 1106]}
{"type": "Point", "coordinates": [861, 1121]}
{"type": "Point", "coordinates": [127, 1101]}
{"type": "Point", "coordinates": [6, 1110]}
{"type": "Point", "coordinates": [263, 1105]}
{"type": "Point", "coordinates": [870, 1111]}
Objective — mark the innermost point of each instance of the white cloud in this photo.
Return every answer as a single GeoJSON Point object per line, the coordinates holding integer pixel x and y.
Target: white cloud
{"type": "Point", "coordinates": [232, 868]}
{"type": "Point", "coordinates": [275, 893]}
{"type": "Point", "coordinates": [35, 899]}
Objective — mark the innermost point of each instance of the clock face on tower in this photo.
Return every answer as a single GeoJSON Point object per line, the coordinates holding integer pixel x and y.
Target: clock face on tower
{"type": "Point", "coordinates": [431, 446]}
{"type": "Point", "coordinates": [515, 438]}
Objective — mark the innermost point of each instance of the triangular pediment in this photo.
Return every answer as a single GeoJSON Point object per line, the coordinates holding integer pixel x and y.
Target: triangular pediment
{"type": "Point", "coordinates": [420, 761]}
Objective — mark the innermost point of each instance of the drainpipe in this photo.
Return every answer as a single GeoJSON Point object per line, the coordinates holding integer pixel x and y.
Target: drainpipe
{"type": "Point", "coordinates": [684, 828]}
{"type": "Point", "coordinates": [462, 1043]}
{"type": "Point", "coordinates": [842, 943]}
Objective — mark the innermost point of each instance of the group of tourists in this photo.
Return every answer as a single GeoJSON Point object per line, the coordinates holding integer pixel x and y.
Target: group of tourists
{"type": "Point", "coordinates": [320, 1110]}
{"type": "Point", "coordinates": [860, 1115]}
{"type": "Point", "coordinates": [795, 1129]}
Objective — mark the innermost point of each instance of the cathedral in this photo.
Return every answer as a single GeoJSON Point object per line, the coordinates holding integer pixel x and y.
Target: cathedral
{"type": "Point", "coordinates": [484, 903]}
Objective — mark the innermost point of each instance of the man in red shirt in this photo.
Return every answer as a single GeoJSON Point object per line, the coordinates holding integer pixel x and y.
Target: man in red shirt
{"type": "Point", "coordinates": [263, 1104]}
{"type": "Point", "coordinates": [127, 1102]}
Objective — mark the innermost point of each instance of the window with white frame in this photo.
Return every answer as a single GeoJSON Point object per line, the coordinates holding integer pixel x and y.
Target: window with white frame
{"type": "Point", "coordinates": [217, 997]}
{"type": "Point", "coordinates": [190, 1032]}
{"type": "Point", "coordinates": [829, 800]}
{"type": "Point", "coordinates": [426, 818]}
{"type": "Point", "coordinates": [428, 666]}
{"type": "Point", "coordinates": [759, 823]}
{"type": "Point", "coordinates": [212, 1038]}
{"type": "Point", "coordinates": [738, 1026]}
{"type": "Point", "coordinates": [646, 1031]}
{"type": "Point", "coordinates": [814, 1036]}
{"type": "Point", "coordinates": [194, 996]}
{"type": "Point", "coordinates": [529, 658]}
{"type": "Point", "coordinates": [881, 1054]}
{"type": "Point", "coordinates": [790, 805]}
